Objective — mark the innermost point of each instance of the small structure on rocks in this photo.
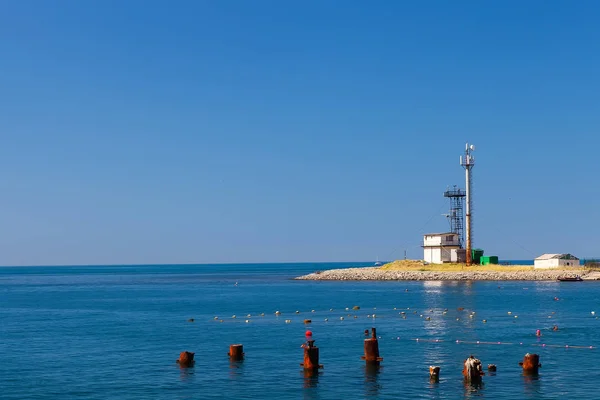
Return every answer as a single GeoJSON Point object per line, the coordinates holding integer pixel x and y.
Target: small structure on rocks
{"type": "Point", "coordinates": [440, 248]}
{"type": "Point", "coordinates": [556, 261]}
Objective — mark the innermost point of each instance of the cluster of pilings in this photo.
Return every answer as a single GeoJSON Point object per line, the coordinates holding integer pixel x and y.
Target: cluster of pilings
{"type": "Point", "coordinates": [473, 370]}
{"type": "Point", "coordinates": [472, 367]}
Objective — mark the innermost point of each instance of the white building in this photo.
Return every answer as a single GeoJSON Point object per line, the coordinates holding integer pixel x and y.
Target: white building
{"type": "Point", "coordinates": [556, 261]}
{"type": "Point", "coordinates": [439, 248]}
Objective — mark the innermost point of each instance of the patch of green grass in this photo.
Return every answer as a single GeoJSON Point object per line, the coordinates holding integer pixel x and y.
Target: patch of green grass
{"type": "Point", "coordinates": [416, 265]}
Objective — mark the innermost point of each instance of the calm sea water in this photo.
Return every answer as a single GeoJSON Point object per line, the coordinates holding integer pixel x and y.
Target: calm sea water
{"type": "Point", "coordinates": [115, 332]}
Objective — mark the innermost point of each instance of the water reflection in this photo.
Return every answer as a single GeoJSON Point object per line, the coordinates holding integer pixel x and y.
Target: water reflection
{"type": "Point", "coordinates": [236, 369]}
{"type": "Point", "coordinates": [311, 378]}
{"type": "Point", "coordinates": [531, 384]}
{"type": "Point", "coordinates": [456, 296]}
{"type": "Point", "coordinates": [372, 385]}
{"type": "Point", "coordinates": [434, 380]}
{"type": "Point", "coordinates": [186, 374]}
{"type": "Point", "coordinates": [473, 389]}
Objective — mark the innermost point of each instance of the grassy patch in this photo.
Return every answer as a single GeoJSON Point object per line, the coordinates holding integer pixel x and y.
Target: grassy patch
{"type": "Point", "coordinates": [416, 265]}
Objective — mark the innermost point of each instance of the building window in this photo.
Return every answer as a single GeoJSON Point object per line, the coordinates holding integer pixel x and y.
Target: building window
{"type": "Point", "coordinates": [450, 238]}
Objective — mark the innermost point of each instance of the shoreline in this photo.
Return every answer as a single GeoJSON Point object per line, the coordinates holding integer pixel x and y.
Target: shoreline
{"type": "Point", "coordinates": [379, 274]}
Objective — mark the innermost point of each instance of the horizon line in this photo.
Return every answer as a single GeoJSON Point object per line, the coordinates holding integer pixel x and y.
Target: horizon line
{"type": "Point", "coordinates": [224, 263]}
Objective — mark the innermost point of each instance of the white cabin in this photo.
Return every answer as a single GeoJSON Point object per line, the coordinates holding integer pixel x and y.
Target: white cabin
{"type": "Point", "coordinates": [439, 248]}
{"type": "Point", "coordinates": [556, 261]}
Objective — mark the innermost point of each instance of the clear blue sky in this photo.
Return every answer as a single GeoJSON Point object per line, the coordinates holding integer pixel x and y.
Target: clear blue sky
{"type": "Point", "coordinates": [252, 131]}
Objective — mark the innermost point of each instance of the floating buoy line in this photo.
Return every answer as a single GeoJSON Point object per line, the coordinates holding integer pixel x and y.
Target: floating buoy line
{"type": "Point", "coordinates": [356, 312]}
{"type": "Point", "coordinates": [481, 342]}
{"type": "Point", "coordinates": [397, 313]}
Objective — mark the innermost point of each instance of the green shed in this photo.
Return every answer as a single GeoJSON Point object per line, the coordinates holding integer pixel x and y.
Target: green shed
{"type": "Point", "coordinates": [487, 260]}
{"type": "Point", "coordinates": [476, 255]}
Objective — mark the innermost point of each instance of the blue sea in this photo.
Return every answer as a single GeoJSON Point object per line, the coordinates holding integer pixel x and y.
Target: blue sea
{"type": "Point", "coordinates": [115, 332]}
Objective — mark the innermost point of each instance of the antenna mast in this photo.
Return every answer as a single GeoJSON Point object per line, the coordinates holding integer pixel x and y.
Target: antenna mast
{"type": "Point", "coordinates": [468, 161]}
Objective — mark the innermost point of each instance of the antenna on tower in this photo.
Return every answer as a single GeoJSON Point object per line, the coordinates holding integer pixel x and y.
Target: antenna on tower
{"type": "Point", "coordinates": [468, 161]}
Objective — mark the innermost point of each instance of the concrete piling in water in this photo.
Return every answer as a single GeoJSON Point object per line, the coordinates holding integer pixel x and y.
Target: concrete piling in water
{"type": "Point", "coordinates": [236, 352]}
{"type": "Point", "coordinates": [472, 370]}
{"type": "Point", "coordinates": [311, 356]}
{"type": "Point", "coordinates": [186, 359]}
{"type": "Point", "coordinates": [530, 364]}
{"type": "Point", "coordinates": [372, 349]}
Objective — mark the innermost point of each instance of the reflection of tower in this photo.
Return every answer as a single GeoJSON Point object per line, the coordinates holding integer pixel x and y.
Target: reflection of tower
{"type": "Point", "coordinates": [455, 216]}
{"type": "Point", "coordinates": [372, 385]}
{"type": "Point", "coordinates": [311, 378]}
{"type": "Point", "coordinates": [468, 161]}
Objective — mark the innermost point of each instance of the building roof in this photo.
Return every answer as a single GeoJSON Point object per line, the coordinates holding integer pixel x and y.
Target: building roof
{"type": "Point", "coordinates": [441, 246]}
{"type": "Point", "coordinates": [439, 234]}
{"type": "Point", "coordinates": [563, 256]}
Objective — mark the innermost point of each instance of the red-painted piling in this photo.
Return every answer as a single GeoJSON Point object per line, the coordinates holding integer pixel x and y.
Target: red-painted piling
{"type": "Point", "coordinates": [186, 359]}
{"type": "Point", "coordinates": [236, 352]}
{"type": "Point", "coordinates": [311, 356]}
{"type": "Point", "coordinates": [372, 349]}
{"type": "Point", "coordinates": [530, 364]}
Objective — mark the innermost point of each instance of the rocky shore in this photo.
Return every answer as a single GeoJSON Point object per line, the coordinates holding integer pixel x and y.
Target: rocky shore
{"type": "Point", "coordinates": [378, 274]}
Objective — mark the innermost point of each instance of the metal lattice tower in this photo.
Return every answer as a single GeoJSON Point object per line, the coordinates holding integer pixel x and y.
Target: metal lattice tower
{"type": "Point", "coordinates": [455, 215]}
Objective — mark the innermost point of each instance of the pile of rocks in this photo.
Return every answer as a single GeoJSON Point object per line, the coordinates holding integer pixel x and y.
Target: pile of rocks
{"type": "Point", "coordinates": [377, 274]}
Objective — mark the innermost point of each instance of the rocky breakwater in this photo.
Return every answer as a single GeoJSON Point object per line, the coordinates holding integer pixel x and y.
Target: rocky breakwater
{"type": "Point", "coordinates": [378, 274]}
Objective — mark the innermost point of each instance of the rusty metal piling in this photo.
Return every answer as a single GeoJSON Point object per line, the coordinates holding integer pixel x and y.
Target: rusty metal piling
{"type": "Point", "coordinates": [186, 359]}
{"type": "Point", "coordinates": [236, 352]}
{"type": "Point", "coordinates": [530, 364]}
{"type": "Point", "coordinates": [372, 349]}
{"type": "Point", "coordinates": [311, 356]}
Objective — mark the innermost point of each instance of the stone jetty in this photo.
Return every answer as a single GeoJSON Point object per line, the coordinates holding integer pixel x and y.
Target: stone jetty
{"type": "Point", "coordinates": [379, 274]}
